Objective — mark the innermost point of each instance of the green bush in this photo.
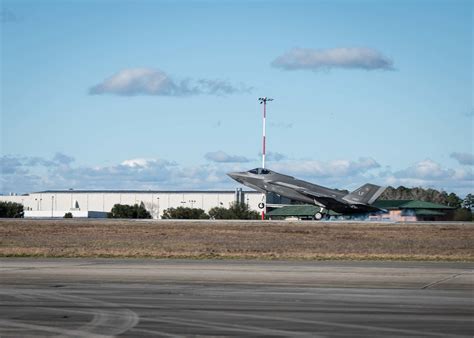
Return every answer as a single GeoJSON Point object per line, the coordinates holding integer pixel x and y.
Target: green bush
{"type": "Point", "coordinates": [129, 211]}
{"type": "Point", "coordinates": [236, 211]}
{"type": "Point", "coordinates": [68, 215]}
{"type": "Point", "coordinates": [221, 213]}
{"type": "Point", "coordinates": [184, 213]}
{"type": "Point", "coordinates": [11, 210]}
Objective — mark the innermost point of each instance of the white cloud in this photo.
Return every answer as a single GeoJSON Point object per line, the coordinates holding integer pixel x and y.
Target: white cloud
{"type": "Point", "coordinates": [145, 163]}
{"type": "Point", "coordinates": [316, 59]}
{"type": "Point", "coordinates": [148, 81]}
{"type": "Point", "coordinates": [222, 157]}
{"type": "Point", "coordinates": [11, 164]}
{"type": "Point", "coordinates": [274, 156]}
{"type": "Point", "coordinates": [425, 170]}
{"type": "Point", "coordinates": [319, 169]}
{"type": "Point", "coordinates": [463, 158]}
{"type": "Point", "coordinates": [63, 159]}
{"type": "Point", "coordinates": [220, 87]}
{"type": "Point", "coordinates": [24, 174]}
{"type": "Point", "coordinates": [464, 175]}
{"type": "Point", "coordinates": [430, 174]}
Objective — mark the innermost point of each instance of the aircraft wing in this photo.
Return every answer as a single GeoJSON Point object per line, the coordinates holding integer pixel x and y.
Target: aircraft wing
{"type": "Point", "coordinates": [322, 200]}
{"type": "Point", "coordinates": [329, 202]}
{"type": "Point", "coordinates": [339, 206]}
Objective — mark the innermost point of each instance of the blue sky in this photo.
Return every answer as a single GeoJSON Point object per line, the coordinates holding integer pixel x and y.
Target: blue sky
{"type": "Point", "coordinates": [163, 94]}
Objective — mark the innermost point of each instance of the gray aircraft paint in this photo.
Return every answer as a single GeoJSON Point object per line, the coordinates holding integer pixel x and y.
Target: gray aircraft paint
{"type": "Point", "coordinates": [265, 180]}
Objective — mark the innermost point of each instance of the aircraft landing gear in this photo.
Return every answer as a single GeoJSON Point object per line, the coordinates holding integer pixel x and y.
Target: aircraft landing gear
{"type": "Point", "coordinates": [321, 214]}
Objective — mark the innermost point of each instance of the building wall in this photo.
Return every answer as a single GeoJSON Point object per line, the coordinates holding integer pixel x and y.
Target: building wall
{"type": "Point", "coordinates": [60, 214]}
{"type": "Point", "coordinates": [155, 202]}
{"type": "Point", "coordinates": [22, 199]}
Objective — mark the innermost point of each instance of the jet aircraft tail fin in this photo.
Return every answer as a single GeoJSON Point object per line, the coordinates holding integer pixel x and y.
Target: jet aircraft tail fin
{"type": "Point", "coordinates": [367, 194]}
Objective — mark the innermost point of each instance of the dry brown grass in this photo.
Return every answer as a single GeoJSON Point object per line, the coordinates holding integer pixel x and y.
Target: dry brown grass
{"type": "Point", "coordinates": [214, 239]}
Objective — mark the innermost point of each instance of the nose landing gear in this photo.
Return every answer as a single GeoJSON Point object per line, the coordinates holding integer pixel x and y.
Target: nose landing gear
{"type": "Point", "coordinates": [321, 214]}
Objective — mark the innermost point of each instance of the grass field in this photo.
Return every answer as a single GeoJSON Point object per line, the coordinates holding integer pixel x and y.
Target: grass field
{"type": "Point", "coordinates": [215, 239]}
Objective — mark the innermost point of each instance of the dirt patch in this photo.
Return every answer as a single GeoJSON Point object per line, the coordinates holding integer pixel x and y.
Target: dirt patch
{"type": "Point", "coordinates": [214, 239]}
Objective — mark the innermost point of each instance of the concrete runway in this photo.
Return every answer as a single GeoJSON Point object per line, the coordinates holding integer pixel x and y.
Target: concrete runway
{"type": "Point", "coordinates": [100, 297]}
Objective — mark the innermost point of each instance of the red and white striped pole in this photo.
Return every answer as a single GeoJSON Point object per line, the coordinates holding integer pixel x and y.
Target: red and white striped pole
{"type": "Point", "coordinates": [264, 101]}
{"type": "Point", "coordinates": [264, 131]}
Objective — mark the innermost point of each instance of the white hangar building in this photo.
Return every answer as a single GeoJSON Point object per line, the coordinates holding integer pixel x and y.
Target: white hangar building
{"type": "Point", "coordinates": [97, 203]}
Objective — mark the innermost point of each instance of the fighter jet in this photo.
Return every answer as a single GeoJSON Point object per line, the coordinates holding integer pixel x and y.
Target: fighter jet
{"type": "Point", "coordinates": [358, 201]}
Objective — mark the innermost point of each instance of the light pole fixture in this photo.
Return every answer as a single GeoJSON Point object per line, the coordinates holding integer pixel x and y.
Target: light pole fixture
{"type": "Point", "coordinates": [152, 207]}
{"type": "Point", "coordinates": [158, 200]}
{"type": "Point", "coordinates": [264, 100]}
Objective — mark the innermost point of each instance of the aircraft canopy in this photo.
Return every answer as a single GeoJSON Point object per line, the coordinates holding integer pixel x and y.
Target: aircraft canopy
{"type": "Point", "coordinates": [259, 171]}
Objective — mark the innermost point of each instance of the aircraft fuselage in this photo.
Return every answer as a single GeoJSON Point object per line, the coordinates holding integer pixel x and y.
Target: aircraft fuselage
{"type": "Point", "coordinates": [265, 180]}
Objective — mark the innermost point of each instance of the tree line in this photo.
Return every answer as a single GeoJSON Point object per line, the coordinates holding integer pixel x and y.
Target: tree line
{"type": "Point", "coordinates": [428, 195]}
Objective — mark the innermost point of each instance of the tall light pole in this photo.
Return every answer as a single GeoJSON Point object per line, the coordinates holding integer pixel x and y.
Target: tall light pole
{"type": "Point", "coordinates": [152, 209]}
{"type": "Point", "coordinates": [158, 199]}
{"type": "Point", "coordinates": [264, 100]}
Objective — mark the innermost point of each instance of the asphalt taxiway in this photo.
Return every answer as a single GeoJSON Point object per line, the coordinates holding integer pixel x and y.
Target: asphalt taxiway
{"type": "Point", "coordinates": [102, 297]}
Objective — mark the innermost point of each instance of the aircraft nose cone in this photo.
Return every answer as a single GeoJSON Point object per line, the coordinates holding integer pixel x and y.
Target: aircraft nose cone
{"type": "Point", "coordinates": [236, 176]}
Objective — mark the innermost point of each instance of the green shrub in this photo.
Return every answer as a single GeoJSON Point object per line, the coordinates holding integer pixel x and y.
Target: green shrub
{"type": "Point", "coordinates": [11, 210]}
{"type": "Point", "coordinates": [129, 211]}
{"type": "Point", "coordinates": [184, 213]}
{"type": "Point", "coordinates": [236, 211]}
{"type": "Point", "coordinates": [68, 215]}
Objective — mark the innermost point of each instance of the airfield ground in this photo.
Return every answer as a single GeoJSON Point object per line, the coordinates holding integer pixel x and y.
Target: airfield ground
{"type": "Point", "coordinates": [89, 297]}
{"type": "Point", "coordinates": [143, 296]}
{"type": "Point", "coordinates": [237, 240]}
